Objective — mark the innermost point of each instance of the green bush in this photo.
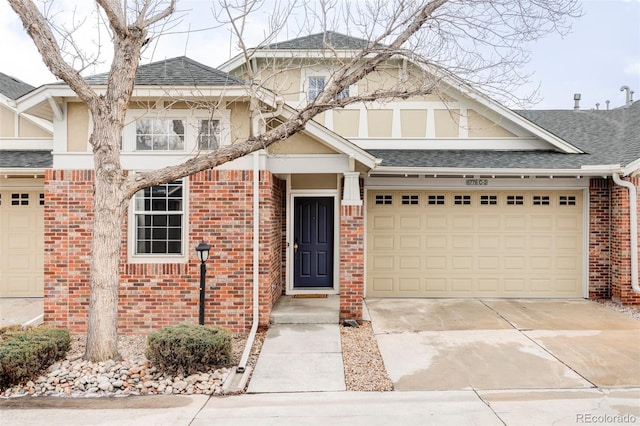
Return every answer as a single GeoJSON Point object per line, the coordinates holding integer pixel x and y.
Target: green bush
{"type": "Point", "coordinates": [26, 352]}
{"type": "Point", "coordinates": [187, 349]}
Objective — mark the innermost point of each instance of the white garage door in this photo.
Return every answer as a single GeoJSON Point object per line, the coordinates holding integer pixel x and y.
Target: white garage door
{"type": "Point", "coordinates": [475, 244]}
{"type": "Point", "coordinates": [21, 243]}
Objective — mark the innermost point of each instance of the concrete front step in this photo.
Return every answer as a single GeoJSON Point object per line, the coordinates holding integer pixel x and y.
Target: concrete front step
{"type": "Point", "coordinates": [291, 310]}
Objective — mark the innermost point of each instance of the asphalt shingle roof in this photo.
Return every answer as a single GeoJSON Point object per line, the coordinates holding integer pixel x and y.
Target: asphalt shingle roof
{"type": "Point", "coordinates": [26, 159]}
{"type": "Point", "coordinates": [13, 88]}
{"type": "Point", "coordinates": [320, 41]}
{"type": "Point", "coordinates": [180, 71]}
{"type": "Point", "coordinates": [606, 137]}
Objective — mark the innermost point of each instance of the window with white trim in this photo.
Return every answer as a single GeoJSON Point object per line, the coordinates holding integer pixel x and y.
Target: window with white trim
{"type": "Point", "coordinates": [208, 134]}
{"type": "Point", "coordinates": [316, 84]}
{"type": "Point", "coordinates": [175, 130]}
{"type": "Point", "coordinates": [158, 134]}
{"type": "Point", "coordinates": [159, 220]}
{"type": "Point", "coordinates": [315, 87]}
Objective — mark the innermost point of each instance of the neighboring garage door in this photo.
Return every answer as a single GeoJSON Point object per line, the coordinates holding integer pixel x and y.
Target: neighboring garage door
{"type": "Point", "coordinates": [475, 244]}
{"type": "Point", "coordinates": [21, 243]}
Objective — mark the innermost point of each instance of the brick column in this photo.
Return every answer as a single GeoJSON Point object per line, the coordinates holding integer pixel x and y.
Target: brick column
{"type": "Point", "coordinates": [599, 239]}
{"type": "Point", "coordinates": [621, 246]}
{"type": "Point", "coordinates": [351, 261]}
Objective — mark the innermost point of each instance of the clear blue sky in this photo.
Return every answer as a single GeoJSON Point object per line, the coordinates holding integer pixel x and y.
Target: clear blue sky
{"type": "Point", "coordinates": [601, 54]}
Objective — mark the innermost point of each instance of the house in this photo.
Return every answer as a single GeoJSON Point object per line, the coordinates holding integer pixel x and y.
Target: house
{"type": "Point", "coordinates": [445, 195]}
{"type": "Point", "coordinates": [25, 153]}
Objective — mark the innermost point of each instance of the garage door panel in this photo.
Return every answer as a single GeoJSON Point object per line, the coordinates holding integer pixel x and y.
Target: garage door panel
{"type": "Point", "coordinates": [529, 248]}
{"type": "Point", "coordinates": [21, 244]}
{"type": "Point", "coordinates": [409, 242]}
{"type": "Point", "coordinates": [462, 241]}
{"type": "Point", "coordinates": [412, 223]}
{"type": "Point", "coordinates": [436, 241]}
{"type": "Point", "coordinates": [382, 242]}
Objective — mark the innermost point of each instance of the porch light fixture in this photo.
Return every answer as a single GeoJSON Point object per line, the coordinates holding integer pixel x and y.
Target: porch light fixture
{"type": "Point", "coordinates": [203, 254]}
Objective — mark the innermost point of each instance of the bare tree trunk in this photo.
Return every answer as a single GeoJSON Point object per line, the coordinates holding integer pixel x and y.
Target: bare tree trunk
{"type": "Point", "coordinates": [102, 337]}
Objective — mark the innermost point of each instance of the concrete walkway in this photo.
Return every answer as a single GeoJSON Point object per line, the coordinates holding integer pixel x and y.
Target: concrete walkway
{"type": "Point", "coordinates": [21, 311]}
{"type": "Point", "coordinates": [302, 351]}
{"type": "Point", "coordinates": [511, 408]}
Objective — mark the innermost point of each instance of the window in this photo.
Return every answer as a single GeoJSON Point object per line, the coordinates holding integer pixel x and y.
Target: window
{"type": "Point", "coordinates": [159, 219]}
{"type": "Point", "coordinates": [567, 200]}
{"type": "Point", "coordinates": [410, 200]}
{"type": "Point", "coordinates": [462, 200]}
{"type": "Point", "coordinates": [488, 200]}
{"type": "Point", "coordinates": [159, 134]}
{"type": "Point", "coordinates": [435, 200]}
{"type": "Point", "coordinates": [208, 134]}
{"type": "Point", "coordinates": [316, 85]}
{"type": "Point", "coordinates": [384, 199]}
{"type": "Point", "coordinates": [344, 93]}
{"type": "Point", "coordinates": [540, 200]}
{"type": "Point", "coordinates": [515, 200]}
{"type": "Point", "coordinates": [19, 199]}
{"type": "Point", "coordinates": [41, 199]}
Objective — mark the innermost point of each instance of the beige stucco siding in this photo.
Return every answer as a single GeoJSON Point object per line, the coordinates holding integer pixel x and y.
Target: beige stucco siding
{"type": "Point", "coordinates": [314, 181]}
{"type": "Point", "coordinates": [284, 82]}
{"type": "Point", "coordinates": [413, 123]}
{"type": "Point", "coordinates": [446, 121]}
{"type": "Point", "coordinates": [29, 130]}
{"type": "Point", "coordinates": [7, 122]}
{"type": "Point", "coordinates": [77, 127]}
{"type": "Point", "coordinates": [345, 122]}
{"type": "Point", "coordinates": [240, 123]}
{"type": "Point", "coordinates": [379, 123]}
{"type": "Point", "coordinates": [300, 144]}
{"type": "Point", "coordinates": [482, 127]}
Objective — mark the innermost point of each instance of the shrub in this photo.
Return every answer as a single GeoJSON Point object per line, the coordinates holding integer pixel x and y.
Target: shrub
{"type": "Point", "coordinates": [26, 352]}
{"type": "Point", "coordinates": [187, 349]}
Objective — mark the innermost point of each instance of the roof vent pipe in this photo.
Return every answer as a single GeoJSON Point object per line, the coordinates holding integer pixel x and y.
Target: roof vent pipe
{"type": "Point", "coordinates": [628, 95]}
{"type": "Point", "coordinates": [633, 228]}
{"type": "Point", "coordinates": [576, 98]}
{"type": "Point", "coordinates": [607, 102]}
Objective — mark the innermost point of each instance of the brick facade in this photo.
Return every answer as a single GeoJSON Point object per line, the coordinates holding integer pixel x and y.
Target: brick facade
{"type": "Point", "coordinates": [155, 295]}
{"type": "Point", "coordinates": [599, 239]}
{"type": "Point", "coordinates": [621, 245]}
{"type": "Point", "coordinates": [351, 262]}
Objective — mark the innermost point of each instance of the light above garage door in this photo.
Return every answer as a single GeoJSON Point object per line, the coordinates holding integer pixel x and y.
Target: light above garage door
{"type": "Point", "coordinates": [429, 243]}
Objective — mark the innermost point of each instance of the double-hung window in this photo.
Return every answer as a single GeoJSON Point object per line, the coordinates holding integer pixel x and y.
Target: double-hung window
{"type": "Point", "coordinates": [159, 220]}
{"type": "Point", "coordinates": [208, 134]}
{"type": "Point", "coordinates": [316, 86]}
{"type": "Point", "coordinates": [157, 134]}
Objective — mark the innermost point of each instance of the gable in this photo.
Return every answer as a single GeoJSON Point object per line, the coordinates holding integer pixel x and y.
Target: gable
{"type": "Point", "coordinates": [300, 143]}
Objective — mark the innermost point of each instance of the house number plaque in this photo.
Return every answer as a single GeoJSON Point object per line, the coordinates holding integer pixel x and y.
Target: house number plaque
{"type": "Point", "coordinates": [477, 182]}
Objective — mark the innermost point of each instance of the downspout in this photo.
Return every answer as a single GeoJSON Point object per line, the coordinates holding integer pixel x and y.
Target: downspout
{"type": "Point", "coordinates": [256, 263]}
{"type": "Point", "coordinates": [633, 217]}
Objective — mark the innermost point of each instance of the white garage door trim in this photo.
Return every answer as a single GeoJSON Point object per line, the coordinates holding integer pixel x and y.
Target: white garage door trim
{"type": "Point", "coordinates": [413, 288]}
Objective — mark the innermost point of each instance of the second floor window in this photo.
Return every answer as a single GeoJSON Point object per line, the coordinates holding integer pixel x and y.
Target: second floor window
{"type": "Point", "coordinates": [160, 134]}
{"type": "Point", "coordinates": [316, 86]}
{"type": "Point", "coordinates": [209, 134]}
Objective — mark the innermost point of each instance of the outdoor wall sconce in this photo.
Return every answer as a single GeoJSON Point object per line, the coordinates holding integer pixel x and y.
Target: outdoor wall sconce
{"type": "Point", "coordinates": [203, 254]}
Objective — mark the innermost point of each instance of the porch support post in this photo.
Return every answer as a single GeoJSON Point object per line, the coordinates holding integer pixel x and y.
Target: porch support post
{"type": "Point", "coordinates": [351, 261]}
{"type": "Point", "coordinates": [351, 190]}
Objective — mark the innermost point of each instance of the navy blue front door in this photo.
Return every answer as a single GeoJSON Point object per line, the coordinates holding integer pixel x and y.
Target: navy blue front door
{"type": "Point", "coordinates": [313, 242]}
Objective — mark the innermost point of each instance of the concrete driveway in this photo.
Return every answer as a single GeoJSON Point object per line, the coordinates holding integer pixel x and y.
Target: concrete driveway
{"type": "Point", "coordinates": [502, 344]}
